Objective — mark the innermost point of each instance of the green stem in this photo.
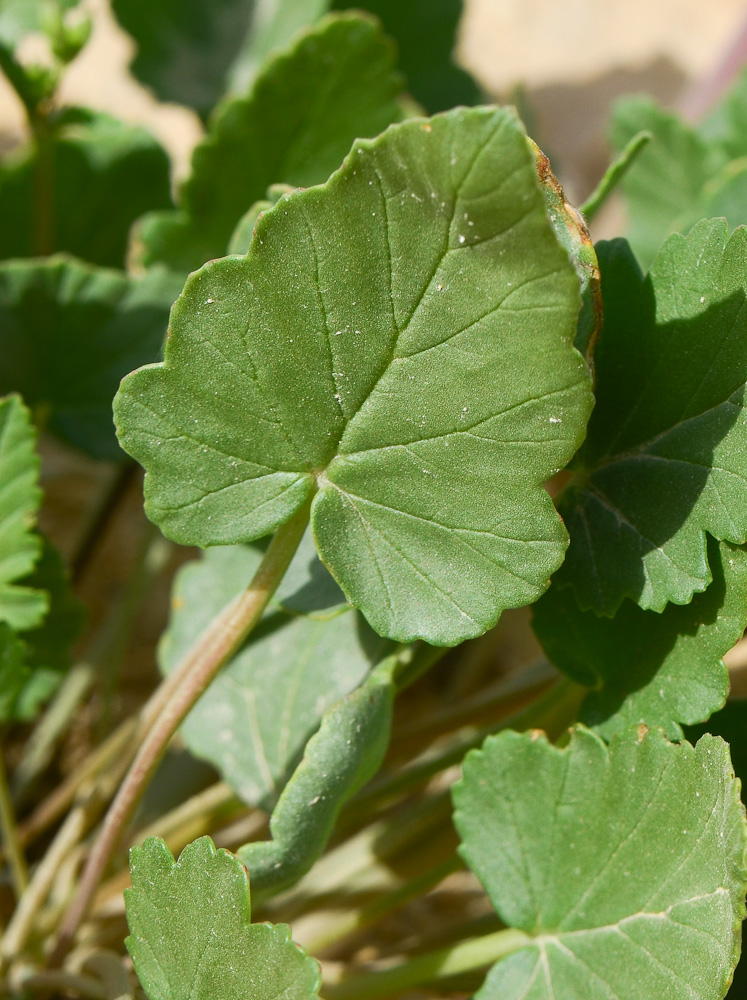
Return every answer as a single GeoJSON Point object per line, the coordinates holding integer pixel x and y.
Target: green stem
{"type": "Point", "coordinates": [175, 698]}
{"type": "Point", "coordinates": [614, 174]}
{"type": "Point", "coordinates": [18, 869]}
{"type": "Point", "coordinates": [467, 956]}
{"type": "Point", "coordinates": [42, 236]}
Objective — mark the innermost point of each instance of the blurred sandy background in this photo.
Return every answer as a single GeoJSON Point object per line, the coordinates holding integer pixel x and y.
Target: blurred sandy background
{"type": "Point", "coordinates": [571, 57]}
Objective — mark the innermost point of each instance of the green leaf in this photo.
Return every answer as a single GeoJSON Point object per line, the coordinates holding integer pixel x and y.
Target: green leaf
{"type": "Point", "coordinates": [685, 173]}
{"type": "Point", "coordinates": [626, 864]}
{"type": "Point", "coordinates": [103, 175]}
{"type": "Point", "coordinates": [241, 238]}
{"type": "Point", "coordinates": [662, 670]}
{"type": "Point", "coordinates": [191, 936]}
{"type": "Point", "coordinates": [665, 459]}
{"type": "Point", "coordinates": [307, 587]}
{"type": "Point", "coordinates": [14, 672]}
{"type": "Point", "coordinates": [664, 190]}
{"type": "Point", "coordinates": [69, 332]}
{"type": "Point", "coordinates": [731, 724]}
{"type": "Point", "coordinates": [48, 646]}
{"type": "Point", "coordinates": [397, 342]}
{"type": "Point", "coordinates": [255, 718]}
{"type": "Point", "coordinates": [274, 25]}
{"type": "Point", "coordinates": [22, 607]}
{"type": "Point", "coordinates": [336, 83]}
{"type": "Point", "coordinates": [339, 759]}
{"type": "Point", "coordinates": [726, 125]}
{"type": "Point", "coordinates": [426, 33]}
{"type": "Point", "coordinates": [185, 48]}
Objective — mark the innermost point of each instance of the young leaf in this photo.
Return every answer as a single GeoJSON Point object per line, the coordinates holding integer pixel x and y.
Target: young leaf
{"type": "Point", "coordinates": [666, 455]}
{"type": "Point", "coordinates": [69, 332]}
{"type": "Point", "coordinates": [337, 82]}
{"type": "Point", "coordinates": [255, 718]}
{"type": "Point", "coordinates": [104, 175]}
{"type": "Point", "coordinates": [22, 607]}
{"type": "Point", "coordinates": [190, 932]}
{"type": "Point", "coordinates": [626, 864]}
{"type": "Point", "coordinates": [398, 342]}
{"type": "Point", "coordinates": [660, 669]}
{"type": "Point", "coordinates": [339, 759]}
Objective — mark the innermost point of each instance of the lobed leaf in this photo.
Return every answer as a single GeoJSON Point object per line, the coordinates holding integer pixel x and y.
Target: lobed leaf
{"type": "Point", "coordinates": [256, 717]}
{"type": "Point", "coordinates": [103, 175]}
{"type": "Point", "coordinates": [190, 932]}
{"type": "Point", "coordinates": [660, 669]}
{"type": "Point", "coordinates": [397, 344]}
{"type": "Point", "coordinates": [665, 460]}
{"type": "Point", "coordinates": [335, 83]}
{"type": "Point", "coordinates": [69, 332]}
{"type": "Point", "coordinates": [21, 607]}
{"type": "Point", "coordinates": [625, 863]}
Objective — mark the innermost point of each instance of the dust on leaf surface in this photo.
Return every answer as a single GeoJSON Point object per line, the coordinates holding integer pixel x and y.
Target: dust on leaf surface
{"type": "Point", "coordinates": [22, 607]}
{"type": "Point", "coordinates": [625, 863]}
{"type": "Point", "coordinates": [665, 459]}
{"type": "Point", "coordinates": [191, 936]}
{"type": "Point", "coordinates": [398, 344]}
{"type": "Point", "coordinates": [660, 669]}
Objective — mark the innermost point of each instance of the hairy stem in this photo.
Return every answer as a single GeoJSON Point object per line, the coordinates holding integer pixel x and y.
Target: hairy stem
{"type": "Point", "coordinates": [182, 689]}
{"type": "Point", "coordinates": [467, 956]}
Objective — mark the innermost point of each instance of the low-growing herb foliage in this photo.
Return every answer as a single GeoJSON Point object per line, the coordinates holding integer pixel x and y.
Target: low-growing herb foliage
{"type": "Point", "coordinates": [373, 364]}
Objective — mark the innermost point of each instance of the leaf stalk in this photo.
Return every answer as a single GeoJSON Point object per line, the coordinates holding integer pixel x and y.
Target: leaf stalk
{"type": "Point", "coordinates": [173, 700]}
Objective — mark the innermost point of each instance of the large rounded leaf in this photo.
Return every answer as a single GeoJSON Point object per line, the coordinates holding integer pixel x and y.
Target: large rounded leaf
{"type": "Point", "coordinates": [625, 864]}
{"type": "Point", "coordinates": [398, 343]}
